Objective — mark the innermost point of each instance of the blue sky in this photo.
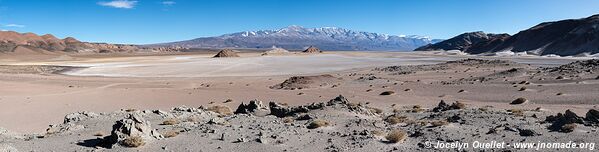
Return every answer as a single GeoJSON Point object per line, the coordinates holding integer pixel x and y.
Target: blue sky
{"type": "Point", "coordinates": [152, 21]}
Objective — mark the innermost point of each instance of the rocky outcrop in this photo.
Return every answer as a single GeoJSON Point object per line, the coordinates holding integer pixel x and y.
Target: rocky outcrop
{"type": "Point", "coordinates": [226, 53]}
{"type": "Point", "coordinates": [255, 107]}
{"type": "Point", "coordinates": [559, 120]}
{"type": "Point", "coordinates": [565, 38]}
{"type": "Point", "coordinates": [306, 82]}
{"type": "Point", "coordinates": [132, 126]}
{"type": "Point", "coordinates": [462, 41]}
{"type": "Point", "coordinates": [312, 49]}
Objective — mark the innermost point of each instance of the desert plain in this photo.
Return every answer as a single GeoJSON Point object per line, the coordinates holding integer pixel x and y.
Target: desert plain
{"type": "Point", "coordinates": [374, 87]}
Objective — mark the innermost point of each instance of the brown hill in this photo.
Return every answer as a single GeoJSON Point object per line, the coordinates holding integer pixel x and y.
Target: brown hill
{"type": "Point", "coordinates": [312, 49]}
{"type": "Point", "coordinates": [226, 53]}
{"type": "Point", "coordinates": [13, 42]}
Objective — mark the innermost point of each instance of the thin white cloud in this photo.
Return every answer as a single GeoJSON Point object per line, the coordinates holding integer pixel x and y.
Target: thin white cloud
{"type": "Point", "coordinates": [168, 3]}
{"type": "Point", "coordinates": [126, 4]}
{"type": "Point", "coordinates": [14, 25]}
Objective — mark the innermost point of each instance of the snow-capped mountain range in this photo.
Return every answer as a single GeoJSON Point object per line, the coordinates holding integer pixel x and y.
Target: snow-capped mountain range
{"type": "Point", "coordinates": [297, 37]}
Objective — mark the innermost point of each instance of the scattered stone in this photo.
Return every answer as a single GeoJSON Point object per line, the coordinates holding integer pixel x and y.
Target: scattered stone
{"type": "Point", "coordinates": [386, 93]}
{"type": "Point", "coordinates": [520, 100]}
{"type": "Point", "coordinates": [527, 132]}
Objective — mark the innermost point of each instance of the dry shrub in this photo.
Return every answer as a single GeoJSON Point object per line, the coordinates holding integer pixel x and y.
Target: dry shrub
{"type": "Point", "coordinates": [396, 110]}
{"type": "Point", "coordinates": [517, 112]}
{"type": "Point", "coordinates": [458, 105]}
{"type": "Point", "coordinates": [192, 119]}
{"type": "Point", "coordinates": [417, 109]}
{"type": "Point", "coordinates": [221, 109]}
{"type": "Point", "coordinates": [439, 123]}
{"type": "Point", "coordinates": [377, 132]}
{"type": "Point", "coordinates": [568, 127]}
{"type": "Point", "coordinates": [375, 110]}
{"type": "Point", "coordinates": [171, 121]}
{"type": "Point", "coordinates": [134, 141]}
{"type": "Point", "coordinates": [317, 124]}
{"type": "Point", "coordinates": [288, 120]}
{"type": "Point", "coordinates": [396, 136]}
{"type": "Point", "coordinates": [171, 133]}
{"type": "Point", "coordinates": [394, 119]}
{"type": "Point", "coordinates": [353, 105]}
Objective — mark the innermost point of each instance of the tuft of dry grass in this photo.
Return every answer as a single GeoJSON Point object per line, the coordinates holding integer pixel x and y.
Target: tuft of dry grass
{"type": "Point", "coordinates": [377, 132]}
{"type": "Point", "coordinates": [288, 120]}
{"type": "Point", "coordinates": [416, 109]}
{"type": "Point", "coordinates": [394, 119]}
{"type": "Point", "coordinates": [439, 123]}
{"type": "Point", "coordinates": [375, 110]}
{"type": "Point", "coordinates": [221, 109]}
{"type": "Point", "coordinates": [317, 124]}
{"type": "Point", "coordinates": [192, 119]}
{"type": "Point", "coordinates": [171, 133]}
{"type": "Point", "coordinates": [171, 121]}
{"type": "Point", "coordinates": [568, 127]}
{"type": "Point", "coordinates": [396, 136]}
{"type": "Point", "coordinates": [458, 105]}
{"type": "Point", "coordinates": [516, 112]}
{"type": "Point", "coordinates": [134, 141]}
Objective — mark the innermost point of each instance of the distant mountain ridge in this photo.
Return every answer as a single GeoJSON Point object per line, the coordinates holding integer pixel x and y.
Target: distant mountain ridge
{"type": "Point", "coordinates": [298, 38]}
{"type": "Point", "coordinates": [565, 38]}
{"type": "Point", "coordinates": [14, 42]}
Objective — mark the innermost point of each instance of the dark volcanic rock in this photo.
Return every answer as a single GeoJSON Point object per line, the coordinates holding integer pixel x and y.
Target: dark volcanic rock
{"type": "Point", "coordinates": [592, 116]}
{"type": "Point", "coordinates": [565, 37]}
{"type": "Point", "coordinates": [462, 41]}
{"type": "Point", "coordinates": [226, 53]}
{"type": "Point", "coordinates": [559, 120]}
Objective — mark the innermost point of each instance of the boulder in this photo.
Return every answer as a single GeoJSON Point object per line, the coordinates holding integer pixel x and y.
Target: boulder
{"type": "Point", "coordinates": [592, 116]}
{"type": "Point", "coordinates": [132, 126]}
{"type": "Point", "coordinates": [255, 107]}
{"type": "Point", "coordinates": [559, 120]}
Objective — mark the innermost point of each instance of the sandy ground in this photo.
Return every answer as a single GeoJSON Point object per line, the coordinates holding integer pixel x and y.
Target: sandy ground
{"type": "Point", "coordinates": [30, 102]}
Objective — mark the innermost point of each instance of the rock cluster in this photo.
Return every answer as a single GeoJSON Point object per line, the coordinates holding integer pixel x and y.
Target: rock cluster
{"type": "Point", "coordinates": [132, 126]}
{"type": "Point", "coordinates": [560, 120]}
